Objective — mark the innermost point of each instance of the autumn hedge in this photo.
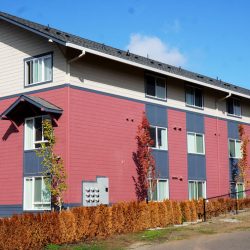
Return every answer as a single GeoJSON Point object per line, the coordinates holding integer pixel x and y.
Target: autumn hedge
{"type": "Point", "coordinates": [29, 231]}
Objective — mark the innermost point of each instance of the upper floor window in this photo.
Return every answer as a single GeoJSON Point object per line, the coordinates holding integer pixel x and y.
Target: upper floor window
{"type": "Point", "coordinates": [159, 137]}
{"type": "Point", "coordinates": [196, 143]}
{"type": "Point", "coordinates": [34, 132]}
{"type": "Point", "coordinates": [194, 97]}
{"type": "Point", "coordinates": [156, 87]}
{"type": "Point", "coordinates": [38, 69]}
{"type": "Point", "coordinates": [234, 107]}
{"type": "Point", "coordinates": [196, 190]}
{"type": "Point", "coordinates": [235, 149]}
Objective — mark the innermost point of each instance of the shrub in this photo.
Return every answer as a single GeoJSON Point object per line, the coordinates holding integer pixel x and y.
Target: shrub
{"type": "Point", "coordinates": [170, 216]}
{"type": "Point", "coordinates": [193, 212]}
{"type": "Point", "coordinates": [177, 213]}
{"type": "Point", "coordinates": [185, 210]}
{"type": "Point", "coordinates": [29, 231]}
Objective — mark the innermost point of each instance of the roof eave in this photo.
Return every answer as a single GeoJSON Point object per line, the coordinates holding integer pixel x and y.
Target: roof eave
{"type": "Point", "coordinates": [138, 65]}
{"type": "Point", "coordinates": [94, 52]}
{"type": "Point", "coordinates": [33, 30]}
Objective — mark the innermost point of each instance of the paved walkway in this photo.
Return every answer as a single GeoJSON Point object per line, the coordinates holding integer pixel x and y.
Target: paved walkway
{"type": "Point", "coordinates": [227, 241]}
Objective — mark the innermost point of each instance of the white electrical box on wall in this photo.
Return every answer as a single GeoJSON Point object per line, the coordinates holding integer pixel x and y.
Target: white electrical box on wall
{"type": "Point", "coordinates": [96, 192]}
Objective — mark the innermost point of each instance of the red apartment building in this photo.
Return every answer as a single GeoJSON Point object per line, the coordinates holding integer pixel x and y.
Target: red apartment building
{"type": "Point", "coordinates": [95, 96]}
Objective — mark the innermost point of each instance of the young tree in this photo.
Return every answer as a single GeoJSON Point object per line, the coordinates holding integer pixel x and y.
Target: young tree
{"type": "Point", "coordinates": [53, 166]}
{"type": "Point", "coordinates": [243, 162]}
{"type": "Point", "coordinates": [145, 165]}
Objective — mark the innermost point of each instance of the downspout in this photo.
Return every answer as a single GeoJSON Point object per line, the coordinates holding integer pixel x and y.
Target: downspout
{"type": "Point", "coordinates": [82, 54]}
{"type": "Point", "coordinates": [217, 129]}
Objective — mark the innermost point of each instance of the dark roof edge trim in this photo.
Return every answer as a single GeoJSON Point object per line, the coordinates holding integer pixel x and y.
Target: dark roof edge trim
{"type": "Point", "coordinates": [33, 30]}
{"type": "Point", "coordinates": [36, 104]}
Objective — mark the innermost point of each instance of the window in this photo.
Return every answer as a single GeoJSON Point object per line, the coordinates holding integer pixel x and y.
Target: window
{"type": "Point", "coordinates": [239, 187]}
{"type": "Point", "coordinates": [195, 143]}
{"type": "Point", "coordinates": [196, 190]}
{"type": "Point", "coordinates": [161, 190]}
{"type": "Point", "coordinates": [34, 132]}
{"type": "Point", "coordinates": [38, 70]}
{"type": "Point", "coordinates": [159, 137]}
{"type": "Point", "coordinates": [194, 97]}
{"type": "Point", "coordinates": [234, 107]}
{"type": "Point", "coordinates": [36, 194]}
{"type": "Point", "coordinates": [156, 87]}
{"type": "Point", "coordinates": [235, 149]}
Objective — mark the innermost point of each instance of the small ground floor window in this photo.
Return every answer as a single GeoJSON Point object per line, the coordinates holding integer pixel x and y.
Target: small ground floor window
{"type": "Point", "coordinates": [196, 190]}
{"type": "Point", "coordinates": [161, 190]}
{"type": "Point", "coordinates": [238, 187]}
{"type": "Point", "coordinates": [36, 194]}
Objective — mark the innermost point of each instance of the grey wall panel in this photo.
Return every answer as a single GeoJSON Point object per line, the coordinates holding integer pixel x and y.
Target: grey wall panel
{"type": "Point", "coordinates": [161, 162]}
{"type": "Point", "coordinates": [196, 167]}
{"type": "Point", "coordinates": [233, 169]}
{"type": "Point", "coordinates": [9, 210]}
{"type": "Point", "coordinates": [233, 129]}
{"type": "Point", "coordinates": [156, 115]}
{"type": "Point", "coordinates": [32, 164]}
{"type": "Point", "coordinates": [195, 123]}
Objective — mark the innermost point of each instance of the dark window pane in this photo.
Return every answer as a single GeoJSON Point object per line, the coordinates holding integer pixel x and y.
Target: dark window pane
{"type": "Point", "coordinates": [232, 148]}
{"type": "Point", "coordinates": [198, 98]}
{"type": "Point", "coordinates": [150, 88]}
{"type": "Point", "coordinates": [237, 108]}
{"type": "Point", "coordinates": [38, 190]}
{"type": "Point", "coordinates": [200, 190]}
{"type": "Point", "coordinates": [190, 96]}
{"type": "Point", "coordinates": [199, 144]}
{"type": "Point", "coordinates": [162, 138]}
{"type": "Point", "coordinates": [240, 189]}
{"type": "Point", "coordinates": [29, 72]}
{"type": "Point", "coordinates": [153, 136]}
{"type": "Point", "coordinates": [230, 106]}
{"type": "Point", "coordinates": [161, 88]}
{"type": "Point", "coordinates": [38, 129]}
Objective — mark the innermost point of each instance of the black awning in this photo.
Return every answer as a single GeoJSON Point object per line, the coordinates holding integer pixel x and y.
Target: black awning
{"type": "Point", "coordinates": [28, 106]}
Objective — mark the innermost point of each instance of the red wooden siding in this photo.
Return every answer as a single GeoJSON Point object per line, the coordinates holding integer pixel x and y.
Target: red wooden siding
{"type": "Point", "coordinates": [11, 147]}
{"type": "Point", "coordinates": [217, 160]}
{"type": "Point", "coordinates": [11, 164]}
{"type": "Point", "coordinates": [177, 140]}
{"type": "Point", "coordinates": [102, 142]}
{"type": "Point", "coordinates": [247, 130]}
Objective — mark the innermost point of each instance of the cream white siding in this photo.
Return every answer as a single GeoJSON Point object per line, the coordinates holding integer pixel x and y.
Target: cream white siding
{"type": "Point", "coordinates": [107, 76]}
{"type": "Point", "coordinates": [92, 72]}
{"type": "Point", "coordinates": [16, 44]}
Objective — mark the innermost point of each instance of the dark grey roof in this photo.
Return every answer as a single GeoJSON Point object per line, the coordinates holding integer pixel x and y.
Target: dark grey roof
{"type": "Point", "coordinates": [41, 103]}
{"type": "Point", "coordinates": [63, 37]}
{"type": "Point", "coordinates": [38, 102]}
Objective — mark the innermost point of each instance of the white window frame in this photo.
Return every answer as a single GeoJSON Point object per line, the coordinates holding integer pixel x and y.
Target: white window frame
{"type": "Point", "coordinates": [156, 134]}
{"type": "Point", "coordinates": [34, 59]}
{"type": "Point", "coordinates": [204, 188]}
{"type": "Point", "coordinates": [157, 188]}
{"type": "Point", "coordinates": [234, 113]}
{"type": "Point", "coordinates": [195, 143]}
{"type": "Point", "coordinates": [155, 96]}
{"type": "Point", "coordinates": [190, 105]}
{"type": "Point", "coordinates": [234, 140]}
{"type": "Point", "coordinates": [33, 207]}
{"type": "Point", "coordinates": [44, 117]}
